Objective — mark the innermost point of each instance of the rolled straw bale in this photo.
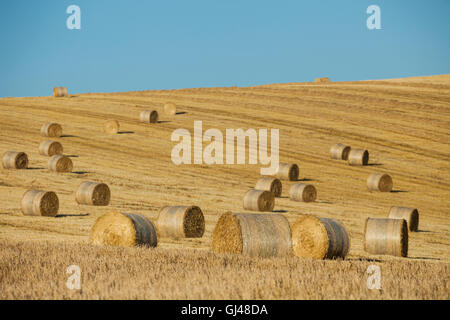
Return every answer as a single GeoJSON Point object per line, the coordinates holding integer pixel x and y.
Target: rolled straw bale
{"type": "Point", "coordinates": [149, 116]}
{"type": "Point", "coordinates": [288, 171]}
{"type": "Point", "coordinates": [180, 222]}
{"type": "Point", "coordinates": [93, 193]}
{"type": "Point", "coordinates": [325, 79]}
{"type": "Point", "coordinates": [386, 237]}
{"type": "Point", "coordinates": [259, 200]}
{"type": "Point", "coordinates": [340, 151]}
{"type": "Point", "coordinates": [40, 203]}
{"type": "Point", "coordinates": [270, 184]}
{"type": "Point", "coordinates": [60, 92]}
{"type": "Point", "coordinates": [255, 235]}
{"type": "Point", "coordinates": [50, 148]}
{"type": "Point", "coordinates": [303, 192]}
{"type": "Point", "coordinates": [170, 109]}
{"type": "Point", "coordinates": [15, 160]}
{"type": "Point", "coordinates": [123, 229]}
{"type": "Point", "coordinates": [319, 238]}
{"type": "Point", "coordinates": [379, 182]}
{"type": "Point", "coordinates": [358, 157]}
{"type": "Point", "coordinates": [60, 163]}
{"type": "Point", "coordinates": [411, 215]}
{"type": "Point", "coordinates": [111, 127]}
{"type": "Point", "coordinates": [51, 129]}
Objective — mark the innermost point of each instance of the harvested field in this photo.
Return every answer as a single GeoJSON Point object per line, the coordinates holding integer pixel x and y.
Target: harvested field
{"type": "Point", "coordinates": [404, 123]}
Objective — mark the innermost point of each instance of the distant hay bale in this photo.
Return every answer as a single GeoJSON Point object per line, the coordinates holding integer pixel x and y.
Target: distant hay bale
{"type": "Point", "coordinates": [325, 79]}
{"type": "Point", "coordinates": [51, 129]}
{"type": "Point", "coordinates": [123, 229]}
{"type": "Point", "coordinates": [170, 109]}
{"type": "Point", "coordinates": [411, 215]}
{"type": "Point", "coordinates": [40, 203]}
{"type": "Point", "coordinates": [15, 160]}
{"type": "Point", "coordinates": [93, 194]}
{"type": "Point", "coordinates": [303, 192]}
{"type": "Point", "coordinates": [319, 238]}
{"type": "Point", "coordinates": [111, 126]}
{"type": "Point", "coordinates": [180, 222]}
{"type": "Point", "coordinates": [358, 157]}
{"type": "Point", "coordinates": [380, 182]}
{"type": "Point", "coordinates": [270, 184]}
{"type": "Point", "coordinates": [50, 148]}
{"type": "Point", "coordinates": [255, 235]}
{"type": "Point", "coordinates": [259, 200]}
{"type": "Point", "coordinates": [288, 171]}
{"type": "Point", "coordinates": [60, 163]}
{"type": "Point", "coordinates": [340, 151]}
{"type": "Point", "coordinates": [386, 237]}
{"type": "Point", "coordinates": [60, 92]}
{"type": "Point", "coordinates": [149, 116]}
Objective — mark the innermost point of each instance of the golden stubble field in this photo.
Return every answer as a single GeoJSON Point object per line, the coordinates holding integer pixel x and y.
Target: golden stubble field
{"type": "Point", "coordinates": [404, 123]}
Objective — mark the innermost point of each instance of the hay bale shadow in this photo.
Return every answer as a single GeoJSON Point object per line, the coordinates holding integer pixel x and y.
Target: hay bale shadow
{"type": "Point", "coordinates": [80, 172]}
{"type": "Point", "coordinates": [35, 168]}
{"type": "Point", "coordinates": [125, 132]}
{"type": "Point", "coordinates": [72, 156]}
{"type": "Point", "coordinates": [71, 215]}
{"type": "Point", "coordinates": [374, 164]}
{"type": "Point", "coordinates": [163, 121]}
{"type": "Point", "coordinates": [68, 136]}
{"type": "Point", "coordinates": [181, 112]}
{"type": "Point", "coordinates": [280, 211]}
{"type": "Point", "coordinates": [398, 191]}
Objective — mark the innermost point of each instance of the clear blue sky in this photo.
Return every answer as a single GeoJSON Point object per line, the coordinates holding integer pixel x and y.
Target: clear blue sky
{"type": "Point", "coordinates": [139, 45]}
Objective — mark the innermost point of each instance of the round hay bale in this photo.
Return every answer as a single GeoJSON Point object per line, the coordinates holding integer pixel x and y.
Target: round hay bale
{"type": "Point", "coordinates": [319, 80]}
{"type": "Point", "coordinates": [170, 109]}
{"type": "Point", "coordinates": [180, 222]}
{"type": "Point", "coordinates": [288, 171]}
{"type": "Point", "coordinates": [319, 238]}
{"type": "Point", "coordinates": [379, 182]}
{"type": "Point", "coordinates": [93, 194]}
{"type": "Point", "coordinates": [270, 184]}
{"type": "Point", "coordinates": [149, 116]}
{"type": "Point", "coordinates": [340, 151]}
{"type": "Point", "coordinates": [255, 235]}
{"type": "Point", "coordinates": [259, 200]}
{"type": "Point", "coordinates": [123, 229]}
{"type": "Point", "coordinates": [50, 148]}
{"type": "Point", "coordinates": [60, 92]}
{"type": "Point", "coordinates": [111, 126]}
{"type": "Point", "coordinates": [358, 157]}
{"type": "Point", "coordinates": [40, 203]}
{"type": "Point", "coordinates": [60, 163]}
{"type": "Point", "coordinates": [303, 192]}
{"type": "Point", "coordinates": [15, 160]}
{"type": "Point", "coordinates": [51, 129]}
{"type": "Point", "coordinates": [386, 237]}
{"type": "Point", "coordinates": [411, 215]}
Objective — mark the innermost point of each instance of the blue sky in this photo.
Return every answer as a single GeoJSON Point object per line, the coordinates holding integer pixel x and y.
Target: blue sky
{"type": "Point", "coordinates": [141, 45]}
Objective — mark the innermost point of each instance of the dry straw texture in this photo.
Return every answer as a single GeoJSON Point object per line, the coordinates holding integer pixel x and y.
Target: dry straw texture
{"type": "Point", "coordinates": [340, 151]}
{"type": "Point", "coordinates": [149, 116]}
{"type": "Point", "coordinates": [358, 157]}
{"type": "Point", "coordinates": [40, 203]}
{"type": "Point", "coordinates": [15, 160]}
{"type": "Point", "coordinates": [170, 109]}
{"type": "Point", "coordinates": [50, 148]}
{"type": "Point", "coordinates": [111, 126]}
{"type": "Point", "coordinates": [259, 200]}
{"type": "Point", "coordinates": [319, 238]}
{"type": "Point", "coordinates": [288, 171]}
{"type": "Point", "coordinates": [51, 129]}
{"type": "Point", "coordinates": [255, 235]}
{"type": "Point", "coordinates": [93, 193]}
{"type": "Point", "coordinates": [270, 184]}
{"type": "Point", "coordinates": [386, 237]}
{"type": "Point", "coordinates": [180, 222]}
{"type": "Point", "coordinates": [322, 79]}
{"type": "Point", "coordinates": [60, 92]}
{"type": "Point", "coordinates": [380, 182]}
{"type": "Point", "coordinates": [303, 192]}
{"type": "Point", "coordinates": [123, 229]}
{"type": "Point", "coordinates": [60, 163]}
{"type": "Point", "coordinates": [411, 215]}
